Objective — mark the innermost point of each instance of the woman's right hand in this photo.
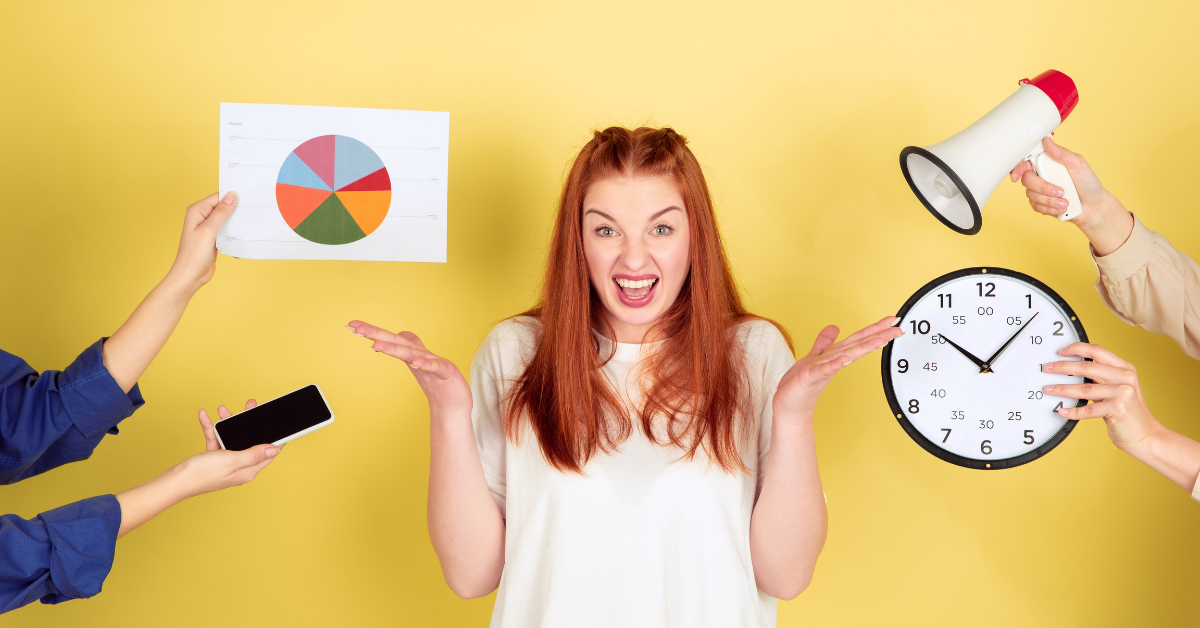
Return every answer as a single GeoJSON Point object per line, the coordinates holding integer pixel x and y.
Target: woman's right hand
{"type": "Point", "coordinates": [1103, 219]}
{"type": "Point", "coordinates": [442, 382]}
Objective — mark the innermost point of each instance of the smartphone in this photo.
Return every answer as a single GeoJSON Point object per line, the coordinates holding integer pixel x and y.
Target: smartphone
{"type": "Point", "coordinates": [276, 421]}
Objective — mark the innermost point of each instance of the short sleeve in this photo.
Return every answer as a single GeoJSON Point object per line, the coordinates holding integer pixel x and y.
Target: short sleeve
{"type": "Point", "coordinates": [770, 358]}
{"type": "Point", "coordinates": [501, 359]}
{"type": "Point", "coordinates": [488, 423]}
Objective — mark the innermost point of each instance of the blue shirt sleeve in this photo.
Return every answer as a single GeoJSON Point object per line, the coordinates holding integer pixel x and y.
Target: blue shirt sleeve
{"type": "Point", "coordinates": [54, 418]}
{"type": "Point", "coordinates": [62, 554]}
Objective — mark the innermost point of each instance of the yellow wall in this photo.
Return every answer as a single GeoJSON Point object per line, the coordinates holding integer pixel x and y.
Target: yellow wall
{"type": "Point", "coordinates": [798, 110]}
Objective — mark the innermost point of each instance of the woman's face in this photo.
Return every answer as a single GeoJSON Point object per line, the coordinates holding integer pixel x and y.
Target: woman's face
{"type": "Point", "coordinates": [638, 249]}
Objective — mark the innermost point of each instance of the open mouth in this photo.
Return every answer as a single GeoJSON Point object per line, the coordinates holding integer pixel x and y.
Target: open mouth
{"type": "Point", "coordinates": [636, 291]}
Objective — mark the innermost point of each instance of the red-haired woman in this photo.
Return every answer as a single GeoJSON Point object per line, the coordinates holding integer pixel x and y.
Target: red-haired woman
{"type": "Point", "coordinates": [607, 465]}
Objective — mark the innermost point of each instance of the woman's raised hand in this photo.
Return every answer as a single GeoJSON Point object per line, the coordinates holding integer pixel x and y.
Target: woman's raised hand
{"type": "Point", "coordinates": [803, 384]}
{"type": "Point", "coordinates": [1115, 391]}
{"type": "Point", "coordinates": [442, 382]}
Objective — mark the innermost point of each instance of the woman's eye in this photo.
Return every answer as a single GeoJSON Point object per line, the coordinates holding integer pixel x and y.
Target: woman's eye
{"type": "Point", "coordinates": [662, 230]}
{"type": "Point", "coordinates": [605, 232]}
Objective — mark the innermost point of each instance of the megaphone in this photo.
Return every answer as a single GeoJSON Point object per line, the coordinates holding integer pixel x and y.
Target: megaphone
{"type": "Point", "coordinates": [955, 178]}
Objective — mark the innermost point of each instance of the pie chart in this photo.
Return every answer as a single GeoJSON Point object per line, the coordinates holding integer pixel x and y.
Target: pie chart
{"type": "Point", "coordinates": [333, 190]}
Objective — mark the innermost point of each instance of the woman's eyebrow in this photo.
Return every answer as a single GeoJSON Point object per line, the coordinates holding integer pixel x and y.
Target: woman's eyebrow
{"type": "Point", "coordinates": [651, 219]}
{"type": "Point", "coordinates": [671, 208]}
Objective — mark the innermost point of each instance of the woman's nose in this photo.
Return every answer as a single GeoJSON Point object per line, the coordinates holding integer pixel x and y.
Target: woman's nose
{"type": "Point", "coordinates": [634, 255]}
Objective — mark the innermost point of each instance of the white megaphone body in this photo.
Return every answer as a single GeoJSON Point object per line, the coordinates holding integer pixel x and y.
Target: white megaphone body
{"type": "Point", "coordinates": [955, 178]}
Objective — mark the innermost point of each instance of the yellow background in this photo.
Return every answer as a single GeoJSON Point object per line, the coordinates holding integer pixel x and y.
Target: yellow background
{"type": "Point", "coordinates": [798, 110]}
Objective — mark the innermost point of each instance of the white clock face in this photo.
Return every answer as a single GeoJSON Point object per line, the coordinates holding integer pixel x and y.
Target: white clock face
{"type": "Point", "coordinates": [965, 380]}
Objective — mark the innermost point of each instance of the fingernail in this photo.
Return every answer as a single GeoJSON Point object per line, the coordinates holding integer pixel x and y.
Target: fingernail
{"type": "Point", "coordinates": [374, 349]}
{"type": "Point", "coordinates": [272, 452]}
{"type": "Point", "coordinates": [229, 198]}
{"type": "Point", "coordinates": [1061, 203]}
{"type": "Point", "coordinates": [1058, 191]}
{"type": "Point", "coordinates": [847, 362]}
{"type": "Point", "coordinates": [1047, 388]}
{"type": "Point", "coordinates": [350, 328]}
{"type": "Point", "coordinates": [1042, 367]}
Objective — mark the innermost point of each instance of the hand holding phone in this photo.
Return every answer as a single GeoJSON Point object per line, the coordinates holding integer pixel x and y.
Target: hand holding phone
{"type": "Point", "coordinates": [276, 421]}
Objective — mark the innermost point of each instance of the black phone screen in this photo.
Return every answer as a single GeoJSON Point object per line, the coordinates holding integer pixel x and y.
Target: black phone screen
{"type": "Point", "coordinates": [274, 420]}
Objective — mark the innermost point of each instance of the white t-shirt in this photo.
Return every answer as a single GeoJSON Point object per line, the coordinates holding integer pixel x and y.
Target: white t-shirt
{"type": "Point", "coordinates": [644, 538]}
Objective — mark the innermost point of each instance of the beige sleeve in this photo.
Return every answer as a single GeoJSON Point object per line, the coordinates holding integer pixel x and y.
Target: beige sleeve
{"type": "Point", "coordinates": [1147, 282]}
{"type": "Point", "coordinates": [1196, 491]}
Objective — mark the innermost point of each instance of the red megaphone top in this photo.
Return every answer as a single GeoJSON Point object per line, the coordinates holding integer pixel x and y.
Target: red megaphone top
{"type": "Point", "coordinates": [1059, 87]}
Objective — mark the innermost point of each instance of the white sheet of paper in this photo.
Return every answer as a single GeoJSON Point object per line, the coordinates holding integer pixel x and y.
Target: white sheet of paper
{"type": "Point", "coordinates": [413, 146]}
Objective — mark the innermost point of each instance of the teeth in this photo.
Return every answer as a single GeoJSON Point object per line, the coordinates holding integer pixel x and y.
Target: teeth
{"type": "Point", "coordinates": [626, 283]}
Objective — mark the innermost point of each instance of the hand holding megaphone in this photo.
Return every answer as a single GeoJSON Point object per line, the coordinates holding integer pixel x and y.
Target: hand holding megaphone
{"type": "Point", "coordinates": [1048, 197]}
{"type": "Point", "coordinates": [954, 178]}
{"type": "Point", "coordinates": [1099, 215]}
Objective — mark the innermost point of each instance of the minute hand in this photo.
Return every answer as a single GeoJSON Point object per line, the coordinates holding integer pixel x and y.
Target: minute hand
{"type": "Point", "coordinates": [992, 360]}
{"type": "Point", "coordinates": [983, 367]}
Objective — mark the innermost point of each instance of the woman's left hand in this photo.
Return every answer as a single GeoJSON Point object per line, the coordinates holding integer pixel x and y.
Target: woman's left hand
{"type": "Point", "coordinates": [803, 384]}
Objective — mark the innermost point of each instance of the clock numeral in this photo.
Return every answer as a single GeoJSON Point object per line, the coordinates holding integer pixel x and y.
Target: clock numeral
{"type": "Point", "coordinates": [984, 311]}
{"type": "Point", "coordinates": [958, 415]}
{"type": "Point", "coordinates": [1058, 328]}
{"type": "Point", "coordinates": [1013, 320]}
{"type": "Point", "coordinates": [1035, 340]}
{"type": "Point", "coordinates": [1014, 416]}
{"type": "Point", "coordinates": [1035, 394]}
{"type": "Point", "coordinates": [920, 327]}
{"type": "Point", "coordinates": [914, 406]}
{"type": "Point", "coordinates": [902, 365]}
{"type": "Point", "coordinates": [937, 339]}
{"type": "Point", "coordinates": [986, 447]}
{"type": "Point", "coordinates": [930, 366]}
{"type": "Point", "coordinates": [986, 425]}
{"type": "Point", "coordinates": [947, 431]}
{"type": "Point", "coordinates": [991, 289]}
{"type": "Point", "coordinates": [960, 320]}
{"type": "Point", "coordinates": [1029, 300]}
{"type": "Point", "coordinates": [938, 392]}
{"type": "Point", "coordinates": [1028, 437]}
{"type": "Point", "coordinates": [945, 300]}
{"type": "Point", "coordinates": [1057, 408]}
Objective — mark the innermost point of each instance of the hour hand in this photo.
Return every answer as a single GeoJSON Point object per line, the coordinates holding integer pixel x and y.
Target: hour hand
{"type": "Point", "coordinates": [983, 366]}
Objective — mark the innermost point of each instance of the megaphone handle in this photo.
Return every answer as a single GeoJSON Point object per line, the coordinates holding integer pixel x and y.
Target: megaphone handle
{"type": "Point", "coordinates": [1057, 174]}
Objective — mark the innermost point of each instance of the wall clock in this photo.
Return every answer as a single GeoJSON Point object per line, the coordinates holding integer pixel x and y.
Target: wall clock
{"type": "Point", "coordinates": [965, 381]}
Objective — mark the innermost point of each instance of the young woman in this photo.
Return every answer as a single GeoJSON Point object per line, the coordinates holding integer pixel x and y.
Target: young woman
{"type": "Point", "coordinates": [608, 463]}
{"type": "Point", "coordinates": [1144, 281]}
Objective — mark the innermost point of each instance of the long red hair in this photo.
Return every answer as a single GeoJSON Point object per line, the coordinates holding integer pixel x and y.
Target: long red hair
{"type": "Point", "coordinates": [695, 379]}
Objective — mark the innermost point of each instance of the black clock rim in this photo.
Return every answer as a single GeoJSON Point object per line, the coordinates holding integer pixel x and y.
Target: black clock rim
{"type": "Point", "coordinates": [902, 417]}
{"type": "Point", "coordinates": [962, 187]}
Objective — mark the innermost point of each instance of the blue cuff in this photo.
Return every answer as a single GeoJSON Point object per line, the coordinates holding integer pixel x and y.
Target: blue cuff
{"type": "Point", "coordinates": [83, 538]}
{"type": "Point", "coordinates": [94, 401]}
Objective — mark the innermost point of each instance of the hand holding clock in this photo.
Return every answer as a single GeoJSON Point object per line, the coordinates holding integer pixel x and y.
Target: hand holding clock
{"type": "Point", "coordinates": [1117, 398]}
